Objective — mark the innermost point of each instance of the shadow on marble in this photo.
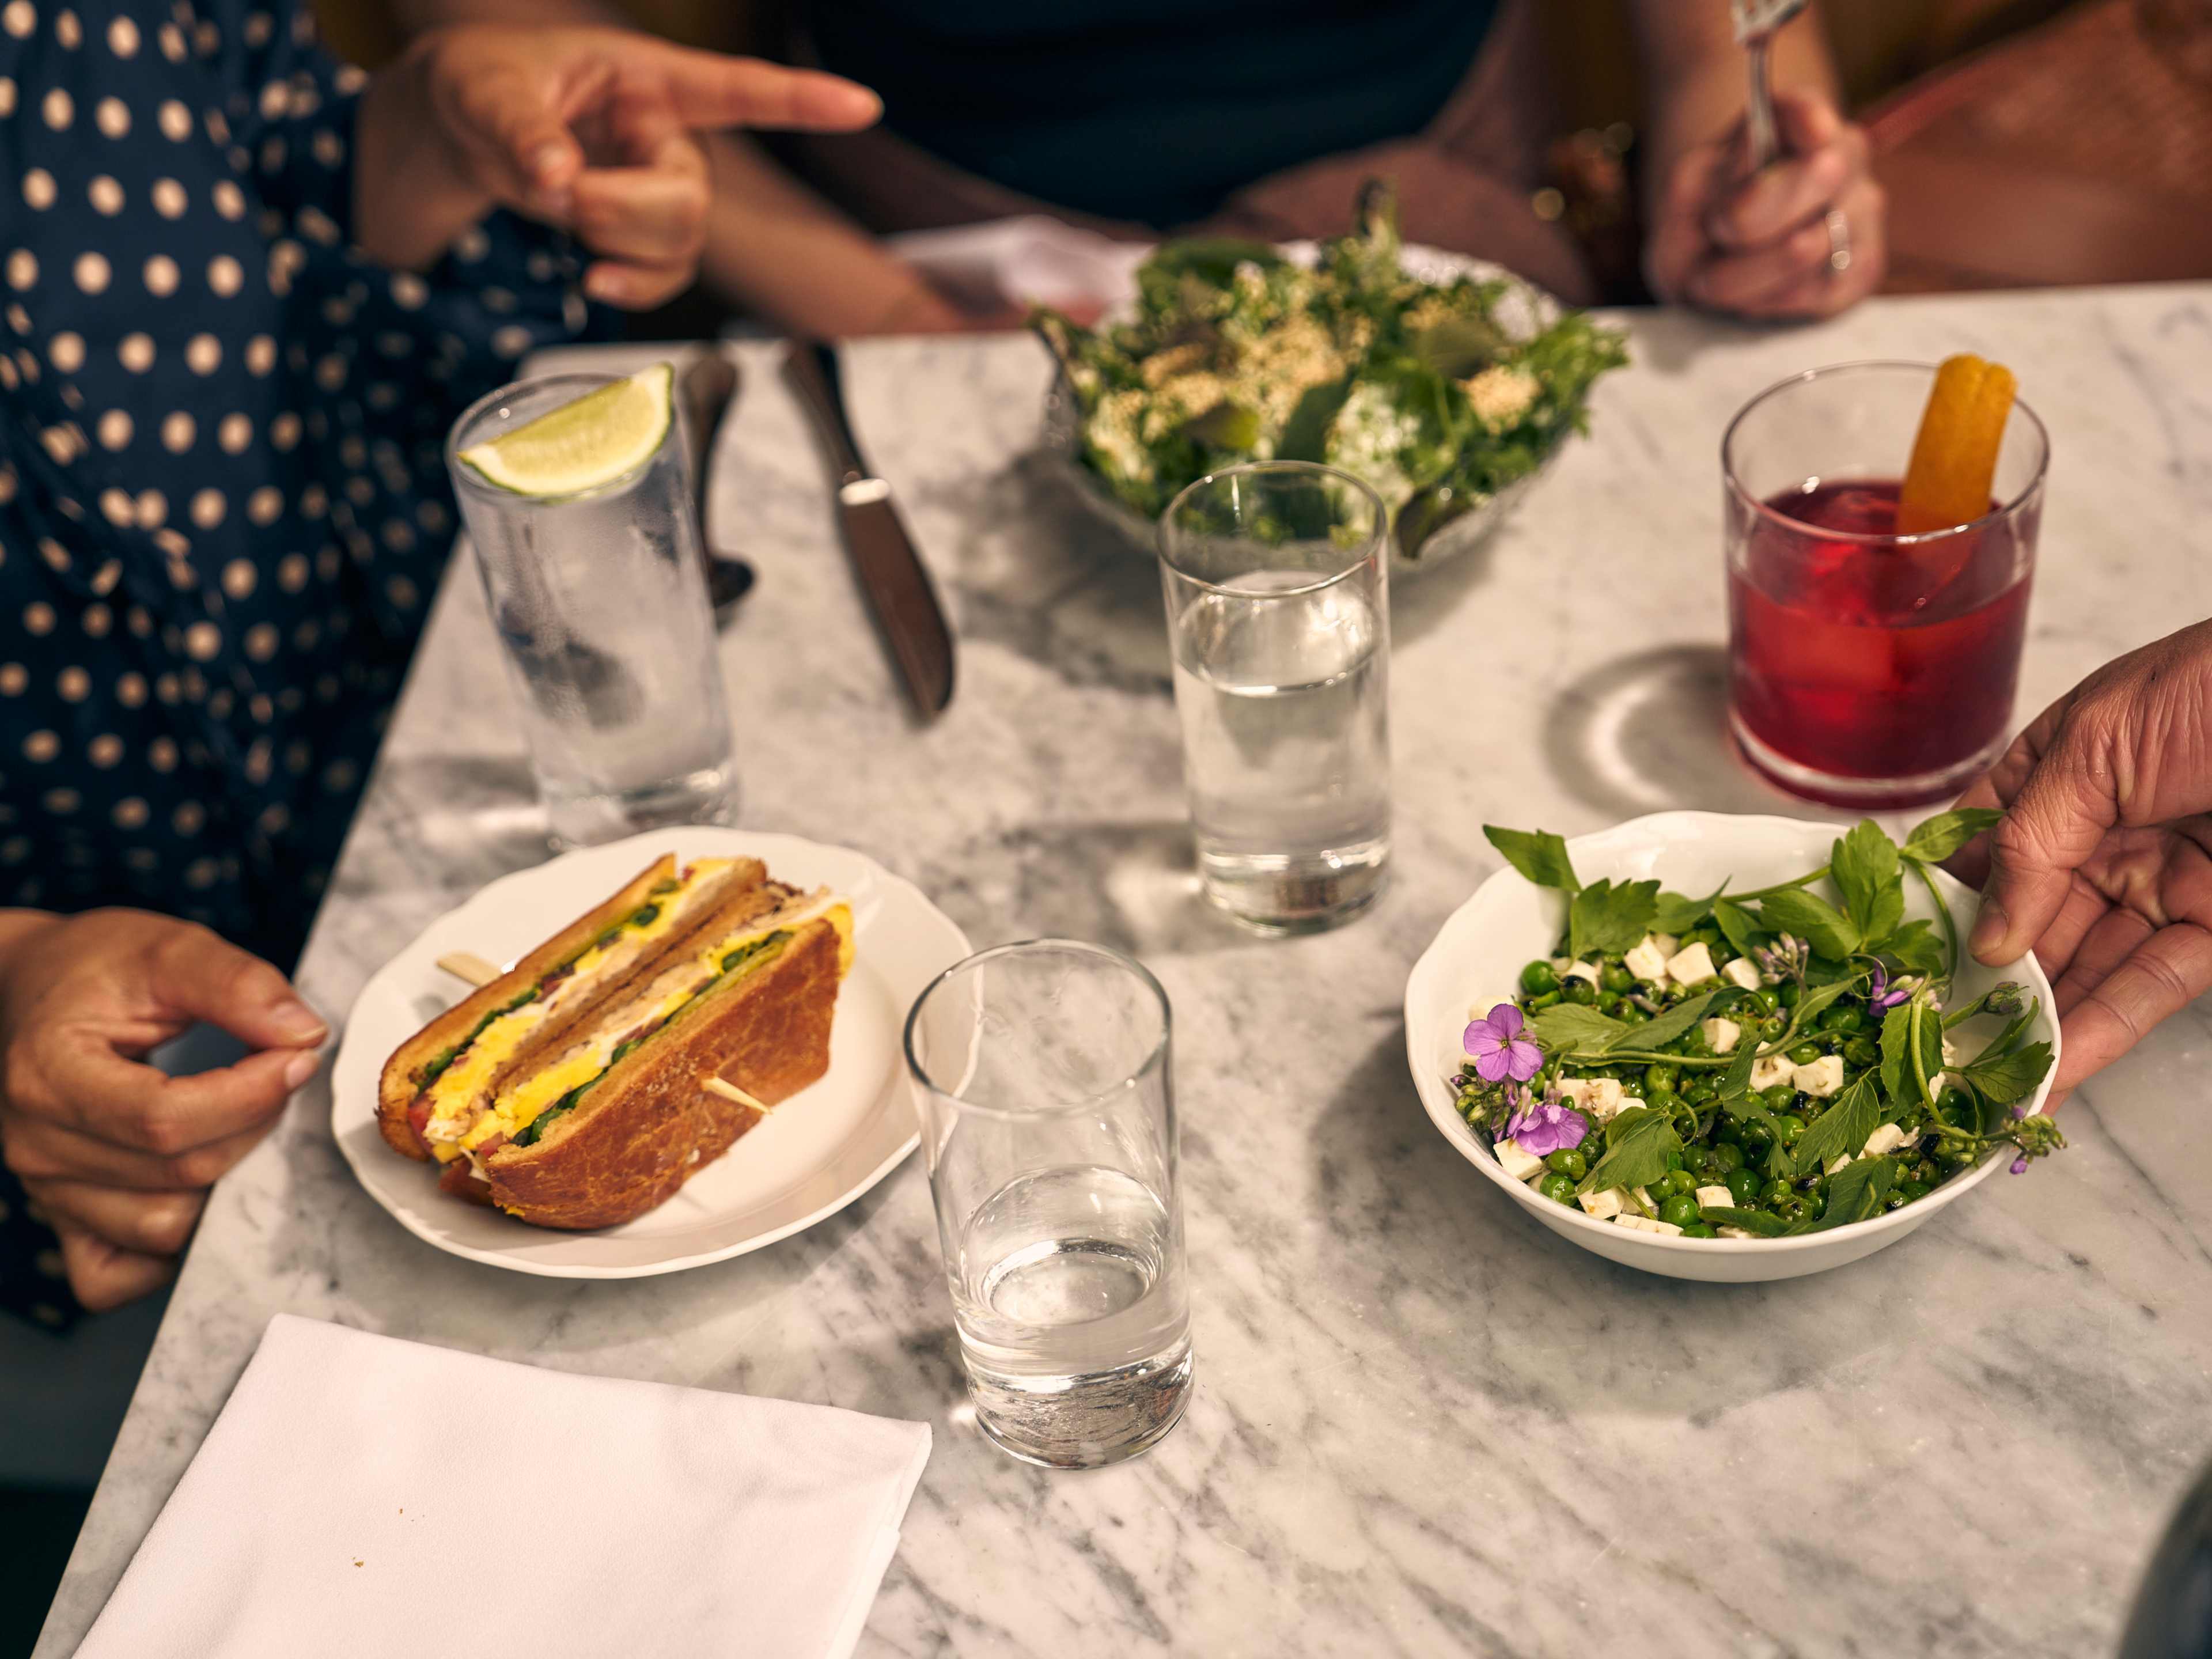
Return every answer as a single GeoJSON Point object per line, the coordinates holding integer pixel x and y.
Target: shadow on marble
{"type": "Point", "coordinates": [474, 813]}
{"type": "Point", "coordinates": [1648, 733]}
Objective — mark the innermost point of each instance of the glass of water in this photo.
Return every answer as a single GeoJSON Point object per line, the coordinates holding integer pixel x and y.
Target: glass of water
{"type": "Point", "coordinates": [600, 600]}
{"type": "Point", "coordinates": [1278, 593]}
{"type": "Point", "coordinates": [1041, 1074]}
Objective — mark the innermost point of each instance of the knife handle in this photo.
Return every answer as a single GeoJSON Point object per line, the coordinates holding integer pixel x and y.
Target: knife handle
{"type": "Point", "coordinates": [810, 371]}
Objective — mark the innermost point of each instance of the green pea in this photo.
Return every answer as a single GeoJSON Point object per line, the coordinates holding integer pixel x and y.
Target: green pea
{"type": "Point", "coordinates": [1908, 1192]}
{"type": "Point", "coordinates": [1788, 994]}
{"type": "Point", "coordinates": [1704, 934]}
{"type": "Point", "coordinates": [1816, 1205]}
{"type": "Point", "coordinates": [1791, 1210]}
{"type": "Point", "coordinates": [1765, 999]}
{"type": "Point", "coordinates": [1862, 1051]}
{"type": "Point", "coordinates": [1728, 1156]}
{"type": "Point", "coordinates": [1541, 1001]}
{"type": "Point", "coordinates": [1538, 977]}
{"type": "Point", "coordinates": [1805, 1054]}
{"type": "Point", "coordinates": [1609, 1002]}
{"type": "Point", "coordinates": [1662, 1100]}
{"type": "Point", "coordinates": [1812, 1185]}
{"type": "Point", "coordinates": [1774, 1192]}
{"type": "Point", "coordinates": [1780, 1098]}
{"type": "Point", "coordinates": [1630, 1014]}
{"type": "Point", "coordinates": [1657, 1077]}
{"type": "Point", "coordinates": [1788, 1130]}
{"type": "Point", "coordinates": [1842, 1017]}
{"type": "Point", "coordinates": [1743, 1184]}
{"type": "Point", "coordinates": [1558, 1188]}
{"type": "Point", "coordinates": [1699, 1230]}
{"type": "Point", "coordinates": [1925, 1173]}
{"type": "Point", "coordinates": [1680, 1182]}
{"type": "Point", "coordinates": [1579, 990]}
{"type": "Point", "coordinates": [1703, 1162]}
{"type": "Point", "coordinates": [1568, 1162]}
{"type": "Point", "coordinates": [1757, 1141]}
{"type": "Point", "coordinates": [1681, 1211]}
{"type": "Point", "coordinates": [1617, 978]}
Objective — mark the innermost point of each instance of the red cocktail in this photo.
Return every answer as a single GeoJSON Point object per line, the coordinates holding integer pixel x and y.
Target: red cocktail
{"type": "Point", "coordinates": [1866, 667]}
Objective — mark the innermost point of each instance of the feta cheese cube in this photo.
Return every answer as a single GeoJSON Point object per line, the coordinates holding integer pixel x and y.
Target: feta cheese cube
{"type": "Point", "coordinates": [1742, 971]}
{"type": "Point", "coordinates": [1951, 1055]}
{"type": "Point", "coordinates": [1520, 1164]}
{"type": "Point", "coordinates": [1598, 1096]}
{"type": "Point", "coordinates": [1692, 966]}
{"type": "Point", "coordinates": [1839, 1161]}
{"type": "Point", "coordinates": [1664, 1228]}
{"type": "Point", "coordinates": [1721, 1034]}
{"type": "Point", "coordinates": [1716, 1198]}
{"type": "Point", "coordinates": [1645, 1224]}
{"type": "Point", "coordinates": [1771, 1071]}
{"type": "Point", "coordinates": [1647, 960]}
{"type": "Point", "coordinates": [1582, 971]}
{"type": "Point", "coordinates": [1886, 1139]}
{"type": "Point", "coordinates": [1604, 1206]}
{"type": "Point", "coordinates": [1735, 1232]}
{"type": "Point", "coordinates": [1644, 1197]}
{"type": "Point", "coordinates": [1668, 944]}
{"type": "Point", "coordinates": [1823, 1078]}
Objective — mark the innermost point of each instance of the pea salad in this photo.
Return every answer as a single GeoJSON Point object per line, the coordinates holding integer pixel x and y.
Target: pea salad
{"type": "Point", "coordinates": [1753, 1064]}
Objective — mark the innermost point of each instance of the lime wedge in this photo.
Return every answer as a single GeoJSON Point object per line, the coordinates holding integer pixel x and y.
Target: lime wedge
{"type": "Point", "coordinates": [584, 444]}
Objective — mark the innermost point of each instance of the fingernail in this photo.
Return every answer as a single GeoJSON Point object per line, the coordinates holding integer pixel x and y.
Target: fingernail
{"type": "Point", "coordinates": [299, 1068]}
{"type": "Point", "coordinates": [544, 161]}
{"type": "Point", "coordinates": [1989, 926]}
{"type": "Point", "coordinates": [295, 1022]}
{"type": "Point", "coordinates": [602, 287]}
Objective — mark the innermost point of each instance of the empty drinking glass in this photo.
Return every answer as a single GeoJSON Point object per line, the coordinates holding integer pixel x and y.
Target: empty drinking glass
{"type": "Point", "coordinates": [600, 602]}
{"type": "Point", "coordinates": [1277, 597]}
{"type": "Point", "coordinates": [1041, 1074]}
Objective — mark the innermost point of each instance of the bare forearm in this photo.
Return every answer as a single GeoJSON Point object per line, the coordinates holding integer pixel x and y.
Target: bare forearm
{"type": "Point", "coordinates": [410, 199]}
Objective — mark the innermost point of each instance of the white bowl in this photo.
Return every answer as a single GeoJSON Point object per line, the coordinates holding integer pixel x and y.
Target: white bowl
{"type": "Point", "coordinates": [1478, 956]}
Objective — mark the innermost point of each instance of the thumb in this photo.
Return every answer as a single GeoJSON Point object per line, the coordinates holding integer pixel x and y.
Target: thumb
{"type": "Point", "coordinates": [195, 973]}
{"type": "Point", "coordinates": [512, 117]}
{"type": "Point", "coordinates": [2055, 822]}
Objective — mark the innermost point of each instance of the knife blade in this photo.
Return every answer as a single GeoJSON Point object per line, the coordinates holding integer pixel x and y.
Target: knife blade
{"type": "Point", "coordinates": [885, 559]}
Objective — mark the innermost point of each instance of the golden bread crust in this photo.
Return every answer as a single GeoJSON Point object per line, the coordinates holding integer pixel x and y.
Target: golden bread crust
{"type": "Point", "coordinates": [649, 1126]}
{"type": "Point", "coordinates": [398, 1087]}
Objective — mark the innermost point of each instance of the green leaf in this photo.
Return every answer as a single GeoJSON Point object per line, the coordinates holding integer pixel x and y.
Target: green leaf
{"type": "Point", "coordinates": [1677, 914]}
{"type": "Point", "coordinates": [1567, 1028]}
{"type": "Point", "coordinates": [1225, 426]}
{"type": "Point", "coordinates": [1538, 855]}
{"type": "Point", "coordinates": [1946, 832]}
{"type": "Point", "coordinates": [1624, 1122]}
{"type": "Point", "coordinates": [1896, 1048]}
{"type": "Point", "coordinates": [1865, 872]}
{"type": "Point", "coordinates": [1841, 1130]}
{"type": "Point", "coordinates": [1752, 1221]}
{"type": "Point", "coordinates": [1858, 1192]}
{"type": "Point", "coordinates": [2009, 1078]}
{"type": "Point", "coordinates": [1638, 1158]}
{"type": "Point", "coordinates": [1606, 918]}
{"type": "Point", "coordinates": [1456, 346]}
{"type": "Point", "coordinates": [1815, 1001]}
{"type": "Point", "coordinates": [1914, 946]}
{"type": "Point", "coordinates": [1813, 919]}
{"type": "Point", "coordinates": [1737, 926]}
{"type": "Point", "coordinates": [1305, 437]}
{"type": "Point", "coordinates": [1663, 1029]}
{"type": "Point", "coordinates": [1735, 1082]}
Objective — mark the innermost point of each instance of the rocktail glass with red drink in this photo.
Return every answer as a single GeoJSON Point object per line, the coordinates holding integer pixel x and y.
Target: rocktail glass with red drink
{"type": "Point", "coordinates": [1867, 668]}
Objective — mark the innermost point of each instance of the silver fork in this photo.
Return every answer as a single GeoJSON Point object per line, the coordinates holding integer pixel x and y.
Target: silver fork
{"type": "Point", "coordinates": [1756, 22]}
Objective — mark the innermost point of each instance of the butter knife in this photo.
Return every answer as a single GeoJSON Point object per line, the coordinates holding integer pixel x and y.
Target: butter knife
{"type": "Point", "coordinates": [889, 570]}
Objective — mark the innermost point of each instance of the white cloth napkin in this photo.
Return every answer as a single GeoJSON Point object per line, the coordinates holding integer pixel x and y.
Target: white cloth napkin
{"type": "Point", "coordinates": [1031, 258]}
{"type": "Point", "coordinates": [361, 1496]}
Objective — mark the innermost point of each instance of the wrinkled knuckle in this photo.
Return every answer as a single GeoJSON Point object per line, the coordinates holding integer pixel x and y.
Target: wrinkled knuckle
{"type": "Point", "coordinates": [200, 1168]}
{"type": "Point", "coordinates": [159, 1130]}
{"type": "Point", "coordinates": [166, 1226]}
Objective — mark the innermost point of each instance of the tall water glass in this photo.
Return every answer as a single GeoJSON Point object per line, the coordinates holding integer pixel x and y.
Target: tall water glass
{"type": "Point", "coordinates": [600, 601]}
{"type": "Point", "coordinates": [1041, 1074]}
{"type": "Point", "coordinates": [1867, 668]}
{"type": "Point", "coordinates": [1278, 595]}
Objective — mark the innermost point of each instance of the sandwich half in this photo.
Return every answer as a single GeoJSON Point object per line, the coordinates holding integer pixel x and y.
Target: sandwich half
{"type": "Point", "coordinates": [607, 1120]}
{"type": "Point", "coordinates": [446, 1073]}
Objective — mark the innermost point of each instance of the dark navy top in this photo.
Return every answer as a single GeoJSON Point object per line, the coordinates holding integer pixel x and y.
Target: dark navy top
{"type": "Point", "coordinates": [223, 508]}
{"type": "Point", "coordinates": [1150, 110]}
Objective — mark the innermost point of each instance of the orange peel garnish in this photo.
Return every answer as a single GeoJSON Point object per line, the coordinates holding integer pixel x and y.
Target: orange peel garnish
{"type": "Point", "coordinates": [1955, 457]}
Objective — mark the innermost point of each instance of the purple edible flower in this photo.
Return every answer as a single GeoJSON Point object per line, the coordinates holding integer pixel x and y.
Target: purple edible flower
{"type": "Point", "coordinates": [1880, 998]}
{"type": "Point", "coordinates": [1499, 1049]}
{"type": "Point", "coordinates": [1546, 1126]}
{"type": "Point", "coordinates": [2020, 1166]}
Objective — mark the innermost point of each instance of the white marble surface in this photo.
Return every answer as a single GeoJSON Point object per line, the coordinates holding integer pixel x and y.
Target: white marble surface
{"type": "Point", "coordinates": [1422, 1425]}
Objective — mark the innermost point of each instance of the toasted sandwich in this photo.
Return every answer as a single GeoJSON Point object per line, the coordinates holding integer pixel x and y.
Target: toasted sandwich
{"type": "Point", "coordinates": [571, 1091]}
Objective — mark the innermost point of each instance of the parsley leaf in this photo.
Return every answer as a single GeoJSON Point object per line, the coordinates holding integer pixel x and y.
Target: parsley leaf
{"type": "Point", "coordinates": [1752, 1221]}
{"type": "Point", "coordinates": [1826, 929]}
{"type": "Point", "coordinates": [1663, 1029]}
{"type": "Point", "coordinates": [1946, 832]}
{"type": "Point", "coordinates": [1816, 1002]}
{"type": "Point", "coordinates": [1737, 926]}
{"type": "Point", "coordinates": [1638, 1157]}
{"type": "Point", "coordinates": [1841, 1130]}
{"type": "Point", "coordinates": [2007, 1077]}
{"type": "Point", "coordinates": [1606, 918]}
{"type": "Point", "coordinates": [1857, 1192]}
{"type": "Point", "coordinates": [1677, 914]}
{"type": "Point", "coordinates": [1866, 872]}
{"type": "Point", "coordinates": [1538, 855]}
{"type": "Point", "coordinates": [1735, 1082]}
{"type": "Point", "coordinates": [1567, 1028]}
{"type": "Point", "coordinates": [1914, 946]}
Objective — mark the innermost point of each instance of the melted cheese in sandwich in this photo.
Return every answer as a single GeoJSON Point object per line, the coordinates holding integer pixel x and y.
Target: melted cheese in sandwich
{"type": "Point", "coordinates": [519, 1104]}
{"type": "Point", "coordinates": [471, 1072]}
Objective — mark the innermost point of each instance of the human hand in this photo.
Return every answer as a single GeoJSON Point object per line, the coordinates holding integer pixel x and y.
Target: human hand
{"type": "Point", "coordinates": [590, 129]}
{"type": "Point", "coordinates": [2103, 862]}
{"type": "Point", "coordinates": [1724, 238]}
{"type": "Point", "coordinates": [116, 1155]}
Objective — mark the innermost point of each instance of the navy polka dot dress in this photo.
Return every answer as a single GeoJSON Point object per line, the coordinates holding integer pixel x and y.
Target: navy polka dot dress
{"type": "Point", "coordinates": [223, 507]}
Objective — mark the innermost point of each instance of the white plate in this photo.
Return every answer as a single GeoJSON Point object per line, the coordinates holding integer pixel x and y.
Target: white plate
{"type": "Point", "coordinates": [815, 1154]}
{"type": "Point", "coordinates": [1524, 310]}
{"type": "Point", "coordinates": [1480, 952]}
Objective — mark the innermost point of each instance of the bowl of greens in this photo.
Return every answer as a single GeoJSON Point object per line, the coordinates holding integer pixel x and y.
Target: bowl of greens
{"type": "Point", "coordinates": [1446, 383]}
{"type": "Point", "coordinates": [1730, 1047]}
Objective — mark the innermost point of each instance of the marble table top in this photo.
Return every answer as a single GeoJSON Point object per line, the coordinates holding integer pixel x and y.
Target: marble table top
{"type": "Point", "coordinates": [1422, 1423]}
